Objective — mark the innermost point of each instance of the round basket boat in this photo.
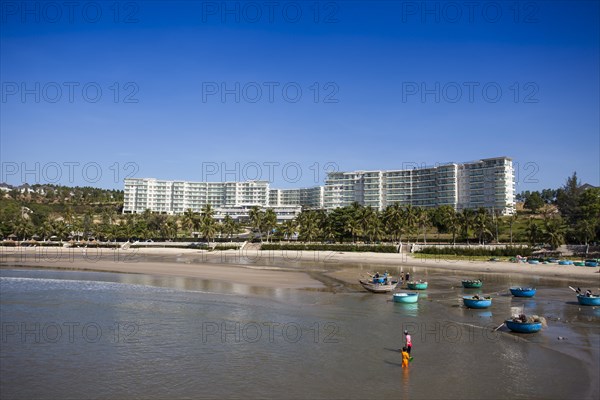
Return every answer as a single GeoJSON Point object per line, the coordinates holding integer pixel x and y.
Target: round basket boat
{"type": "Point", "coordinates": [588, 300]}
{"type": "Point", "coordinates": [417, 285]}
{"type": "Point", "coordinates": [522, 292]}
{"type": "Point", "coordinates": [405, 297]}
{"type": "Point", "coordinates": [470, 302]}
{"type": "Point", "coordinates": [523, 327]}
{"type": "Point", "coordinates": [472, 284]}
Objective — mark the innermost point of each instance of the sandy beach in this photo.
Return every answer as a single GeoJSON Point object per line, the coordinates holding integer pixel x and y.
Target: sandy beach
{"type": "Point", "coordinates": [284, 269]}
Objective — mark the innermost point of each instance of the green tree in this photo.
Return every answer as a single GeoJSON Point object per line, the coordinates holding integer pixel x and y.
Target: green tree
{"type": "Point", "coordinates": [394, 224]}
{"type": "Point", "coordinates": [567, 198]}
{"type": "Point", "coordinates": [229, 227]}
{"type": "Point", "coordinates": [189, 220]}
{"type": "Point", "coordinates": [411, 219]}
{"type": "Point", "coordinates": [269, 222]}
{"type": "Point", "coordinates": [510, 220]}
{"type": "Point", "coordinates": [288, 228]}
{"type": "Point", "coordinates": [256, 219]}
{"type": "Point", "coordinates": [533, 232]}
{"type": "Point", "coordinates": [554, 232]}
{"type": "Point", "coordinates": [481, 223]}
{"type": "Point", "coordinates": [467, 217]}
{"type": "Point", "coordinates": [309, 225]}
{"type": "Point", "coordinates": [534, 202]}
{"type": "Point", "coordinates": [452, 222]}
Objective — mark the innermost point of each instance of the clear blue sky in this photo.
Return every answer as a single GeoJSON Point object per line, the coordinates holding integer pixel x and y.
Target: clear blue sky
{"type": "Point", "coordinates": [384, 85]}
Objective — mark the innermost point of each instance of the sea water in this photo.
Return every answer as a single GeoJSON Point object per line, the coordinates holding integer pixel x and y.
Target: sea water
{"type": "Point", "coordinates": [86, 335]}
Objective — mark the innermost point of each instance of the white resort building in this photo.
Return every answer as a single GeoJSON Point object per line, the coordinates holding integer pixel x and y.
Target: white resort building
{"type": "Point", "coordinates": [487, 183]}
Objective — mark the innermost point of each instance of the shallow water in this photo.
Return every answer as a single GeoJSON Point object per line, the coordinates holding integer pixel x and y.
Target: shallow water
{"type": "Point", "coordinates": [69, 334]}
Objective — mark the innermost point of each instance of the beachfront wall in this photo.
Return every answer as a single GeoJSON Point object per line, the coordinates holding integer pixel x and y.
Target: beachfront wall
{"type": "Point", "coordinates": [413, 247]}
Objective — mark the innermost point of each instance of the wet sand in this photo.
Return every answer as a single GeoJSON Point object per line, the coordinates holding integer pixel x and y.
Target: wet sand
{"type": "Point", "coordinates": [285, 269]}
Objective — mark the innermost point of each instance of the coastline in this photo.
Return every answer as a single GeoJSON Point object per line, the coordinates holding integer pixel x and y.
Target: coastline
{"type": "Point", "coordinates": [282, 269]}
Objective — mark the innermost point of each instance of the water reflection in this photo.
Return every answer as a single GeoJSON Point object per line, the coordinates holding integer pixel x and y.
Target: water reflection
{"type": "Point", "coordinates": [408, 310]}
{"type": "Point", "coordinates": [405, 382]}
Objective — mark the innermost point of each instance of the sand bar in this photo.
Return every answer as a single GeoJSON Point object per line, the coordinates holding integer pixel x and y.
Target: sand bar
{"type": "Point", "coordinates": [268, 268]}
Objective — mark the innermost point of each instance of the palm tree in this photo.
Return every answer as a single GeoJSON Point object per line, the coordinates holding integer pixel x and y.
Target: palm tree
{"type": "Point", "coordinates": [585, 229]}
{"type": "Point", "coordinates": [533, 232]}
{"type": "Point", "coordinates": [375, 227]}
{"type": "Point", "coordinates": [189, 220]}
{"type": "Point", "coordinates": [394, 222]}
{"type": "Point", "coordinates": [410, 219]}
{"type": "Point", "coordinates": [256, 217]}
{"type": "Point", "coordinates": [423, 221]}
{"type": "Point", "coordinates": [466, 220]}
{"type": "Point", "coordinates": [288, 228]}
{"type": "Point", "coordinates": [554, 232]}
{"type": "Point", "coordinates": [480, 223]}
{"type": "Point", "coordinates": [366, 219]}
{"type": "Point", "coordinates": [269, 222]}
{"type": "Point", "coordinates": [452, 221]}
{"type": "Point", "coordinates": [511, 221]}
{"type": "Point", "coordinates": [353, 227]}
{"type": "Point", "coordinates": [208, 227]}
{"type": "Point", "coordinates": [229, 226]}
{"type": "Point", "coordinates": [309, 228]}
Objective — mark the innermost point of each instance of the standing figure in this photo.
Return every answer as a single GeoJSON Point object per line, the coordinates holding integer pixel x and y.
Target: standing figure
{"type": "Point", "coordinates": [408, 340]}
{"type": "Point", "coordinates": [405, 357]}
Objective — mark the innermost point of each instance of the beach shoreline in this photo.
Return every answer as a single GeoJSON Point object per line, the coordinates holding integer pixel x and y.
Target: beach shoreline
{"type": "Point", "coordinates": [283, 269]}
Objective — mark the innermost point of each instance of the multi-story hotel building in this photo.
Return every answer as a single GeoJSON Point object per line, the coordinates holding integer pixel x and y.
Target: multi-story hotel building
{"type": "Point", "coordinates": [487, 183]}
{"type": "Point", "coordinates": [227, 198]}
{"type": "Point", "coordinates": [305, 197]}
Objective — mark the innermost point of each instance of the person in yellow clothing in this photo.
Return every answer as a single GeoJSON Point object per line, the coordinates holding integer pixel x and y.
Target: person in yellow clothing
{"type": "Point", "coordinates": [405, 357]}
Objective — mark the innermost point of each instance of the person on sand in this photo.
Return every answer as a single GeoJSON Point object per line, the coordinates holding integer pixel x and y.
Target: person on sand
{"type": "Point", "coordinates": [408, 340]}
{"type": "Point", "coordinates": [405, 357]}
{"type": "Point", "coordinates": [407, 277]}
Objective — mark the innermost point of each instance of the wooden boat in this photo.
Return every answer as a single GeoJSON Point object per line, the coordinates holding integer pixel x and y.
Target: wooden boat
{"type": "Point", "coordinates": [523, 327]}
{"type": "Point", "coordinates": [379, 287]}
{"type": "Point", "coordinates": [471, 284]}
{"type": "Point", "coordinates": [522, 292]}
{"type": "Point", "coordinates": [565, 262]}
{"type": "Point", "coordinates": [471, 302]}
{"type": "Point", "coordinates": [420, 285]}
{"type": "Point", "coordinates": [593, 300]}
{"type": "Point", "coordinates": [406, 297]}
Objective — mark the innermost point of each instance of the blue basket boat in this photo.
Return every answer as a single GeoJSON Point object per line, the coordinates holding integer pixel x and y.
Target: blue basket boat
{"type": "Point", "coordinates": [522, 292]}
{"type": "Point", "coordinates": [417, 285]}
{"type": "Point", "coordinates": [591, 263]}
{"type": "Point", "coordinates": [472, 284]}
{"type": "Point", "coordinates": [470, 302]}
{"type": "Point", "coordinates": [533, 261]}
{"type": "Point", "coordinates": [588, 300]}
{"type": "Point", "coordinates": [565, 262]}
{"type": "Point", "coordinates": [523, 327]}
{"type": "Point", "coordinates": [406, 297]}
